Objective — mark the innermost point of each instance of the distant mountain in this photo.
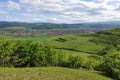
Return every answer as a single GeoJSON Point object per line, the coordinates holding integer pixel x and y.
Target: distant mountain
{"type": "Point", "coordinates": [107, 24]}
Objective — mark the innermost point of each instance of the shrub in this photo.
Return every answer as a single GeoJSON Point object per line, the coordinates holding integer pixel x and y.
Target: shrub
{"type": "Point", "coordinates": [111, 65]}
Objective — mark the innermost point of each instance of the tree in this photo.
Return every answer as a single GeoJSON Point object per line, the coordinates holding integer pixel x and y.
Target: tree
{"type": "Point", "coordinates": [111, 65]}
{"type": "Point", "coordinates": [6, 50]}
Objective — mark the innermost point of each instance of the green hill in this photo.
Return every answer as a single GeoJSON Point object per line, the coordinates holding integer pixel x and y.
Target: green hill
{"type": "Point", "coordinates": [49, 73]}
{"type": "Point", "coordinates": [86, 52]}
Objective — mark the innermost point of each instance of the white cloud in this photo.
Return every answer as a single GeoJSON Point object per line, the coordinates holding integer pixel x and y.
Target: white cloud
{"type": "Point", "coordinates": [66, 10]}
{"type": "Point", "coordinates": [102, 1]}
{"type": "Point", "coordinates": [12, 5]}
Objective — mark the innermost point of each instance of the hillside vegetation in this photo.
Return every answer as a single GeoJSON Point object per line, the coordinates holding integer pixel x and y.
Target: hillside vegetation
{"type": "Point", "coordinates": [94, 51]}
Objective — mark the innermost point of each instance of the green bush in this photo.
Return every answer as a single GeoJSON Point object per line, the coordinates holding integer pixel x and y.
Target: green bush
{"type": "Point", "coordinates": [27, 53]}
{"type": "Point", "coordinates": [111, 65]}
{"type": "Point", "coordinates": [76, 61]}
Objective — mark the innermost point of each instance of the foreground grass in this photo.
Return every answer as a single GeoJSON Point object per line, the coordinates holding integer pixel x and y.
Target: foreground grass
{"type": "Point", "coordinates": [49, 73]}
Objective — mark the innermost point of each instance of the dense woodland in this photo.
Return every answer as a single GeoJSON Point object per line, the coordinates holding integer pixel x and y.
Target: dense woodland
{"type": "Point", "coordinates": [32, 53]}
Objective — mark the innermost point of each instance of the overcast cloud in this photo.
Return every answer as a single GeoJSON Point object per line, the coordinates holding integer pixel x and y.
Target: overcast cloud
{"type": "Point", "coordinates": [59, 11]}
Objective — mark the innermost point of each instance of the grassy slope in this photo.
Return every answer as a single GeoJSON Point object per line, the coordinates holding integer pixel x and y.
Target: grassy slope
{"type": "Point", "coordinates": [75, 43]}
{"type": "Point", "coordinates": [82, 47]}
{"type": "Point", "coordinates": [49, 73]}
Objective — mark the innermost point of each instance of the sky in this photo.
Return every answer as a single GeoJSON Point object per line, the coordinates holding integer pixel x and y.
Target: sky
{"type": "Point", "coordinates": [59, 11]}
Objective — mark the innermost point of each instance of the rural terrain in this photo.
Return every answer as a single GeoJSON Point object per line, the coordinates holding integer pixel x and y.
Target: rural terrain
{"type": "Point", "coordinates": [48, 51]}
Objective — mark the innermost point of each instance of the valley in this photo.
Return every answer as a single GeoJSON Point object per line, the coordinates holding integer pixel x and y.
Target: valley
{"type": "Point", "coordinates": [75, 53]}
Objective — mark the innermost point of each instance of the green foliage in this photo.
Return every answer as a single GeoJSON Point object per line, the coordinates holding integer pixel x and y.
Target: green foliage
{"type": "Point", "coordinates": [99, 51]}
{"type": "Point", "coordinates": [61, 39]}
{"type": "Point", "coordinates": [27, 53]}
{"type": "Point", "coordinates": [107, 50]}
{"type": "Point", "coordinates": [93, 62]}
{"type": "Point", "coordinates": [5, 52]}
{"type": "Point", "coordinates": [111, 65]}
{"type": "Point", "coordinates": [76, 61]}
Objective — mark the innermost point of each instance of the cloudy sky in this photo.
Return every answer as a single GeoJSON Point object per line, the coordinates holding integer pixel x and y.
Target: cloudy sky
{"type": "Point", "coordinates": [59, 11]}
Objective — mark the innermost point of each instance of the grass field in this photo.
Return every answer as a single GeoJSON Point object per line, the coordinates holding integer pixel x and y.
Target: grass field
{"type": "Point", "coordinates": [78, 45]}
{"type": "Point", "coordinates": [49, 73]}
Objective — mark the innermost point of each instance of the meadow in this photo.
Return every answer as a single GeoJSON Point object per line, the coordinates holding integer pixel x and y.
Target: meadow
{"type": "Point", "coordinates": [50, 73]}
{"type": "Point", "coordinates": [91, 56]}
